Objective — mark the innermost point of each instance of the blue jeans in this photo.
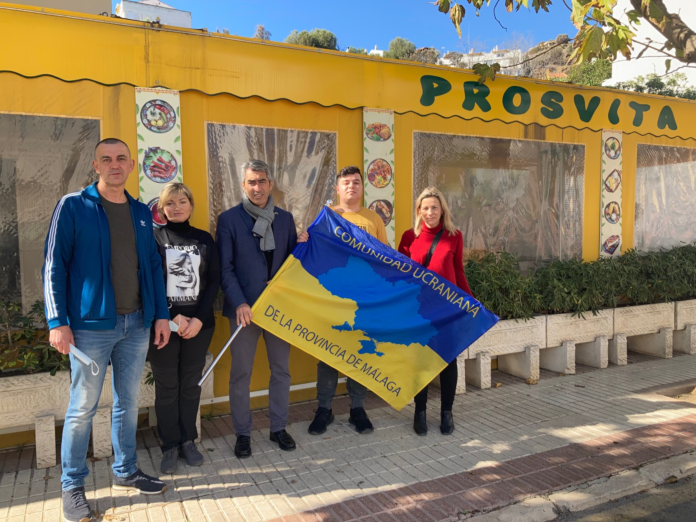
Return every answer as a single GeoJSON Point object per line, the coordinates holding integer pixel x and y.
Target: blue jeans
{"type": "Point", "coordinates": [126, 347]}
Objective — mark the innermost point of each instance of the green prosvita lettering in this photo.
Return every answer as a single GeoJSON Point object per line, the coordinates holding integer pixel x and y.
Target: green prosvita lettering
{"type": "Point", "coordinates": [640, 109]}
{"type": "Point", "coordinates": [475, 94]}
{"type": "Point", "coordinates": [552, 108]}
{"type": "Point", "coordinates": [667, 119]}
{"type": "Point", "coordinates": [432, 87]}
{"type": "Point", "coordinates": [614, 112]}
{"type": "Point", "coordinates": [586, 112]}
{"type": "Point", "coordinates": [509, 100]}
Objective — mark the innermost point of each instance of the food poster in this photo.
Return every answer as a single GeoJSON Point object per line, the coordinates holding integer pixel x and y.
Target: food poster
{"type": "Point", "coordinates": [159, 144]}
{"type": "Point", "coordinates": [378, 149]}
{"type": "Point", "coordinates": [610, 229]}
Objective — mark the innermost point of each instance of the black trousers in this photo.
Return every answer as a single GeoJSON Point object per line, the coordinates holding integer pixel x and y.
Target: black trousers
{"type": "Point", "coordinates": [448, 389]}
{"type": "Point", "coordinates": [177, 368]}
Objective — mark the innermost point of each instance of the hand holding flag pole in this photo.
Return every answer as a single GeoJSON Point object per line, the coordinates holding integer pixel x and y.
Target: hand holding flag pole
{"type": "Point", "coordinates": [222, 352]}
{"type": "Point", "coordinates": [229, 341]}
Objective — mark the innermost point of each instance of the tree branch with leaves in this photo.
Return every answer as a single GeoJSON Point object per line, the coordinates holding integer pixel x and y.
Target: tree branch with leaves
{"type": "Point", "coordinates": [680, 37]}
{"type": "Point", "coordinates": [601, 34]}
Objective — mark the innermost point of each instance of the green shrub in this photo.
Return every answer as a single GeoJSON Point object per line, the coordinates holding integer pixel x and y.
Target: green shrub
{"type": "Point", "coordinates": [24, 341]}
{"type": "Point", "coordinates": [609, 277]}
{"type": "Point", "coordinates": [567, 287]}
{"type": "Point", "coordinates": [659, 277]}
{"type": "Point", "coordinates": [636, 286]}
{"type": "Point", "coordinates": [574, 287]}
{"type": "Point", "coordinates": [497, 283]}
{"type": "Point", "coordinates": [577, 288]}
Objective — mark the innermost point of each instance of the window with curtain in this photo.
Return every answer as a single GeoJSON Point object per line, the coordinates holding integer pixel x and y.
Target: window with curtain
{"type": "Point", "coordinates": [303, 165]}
{"type": "Point", "coordinates": [525, 197]}
{"type": "Point", "coordinates": [41, 159]}
{"type": "Point", "coordinates": [665, 197]}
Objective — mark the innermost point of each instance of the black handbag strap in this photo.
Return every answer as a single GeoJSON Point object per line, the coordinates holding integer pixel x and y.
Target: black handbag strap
{"type": "Point", "coordinates": [430, 253]}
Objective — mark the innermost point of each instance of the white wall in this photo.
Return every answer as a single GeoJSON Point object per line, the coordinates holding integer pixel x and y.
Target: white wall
{"type": "Point", "coordinates": [651, 61]}
{"type": "Point", "coordinates": [167, 16]}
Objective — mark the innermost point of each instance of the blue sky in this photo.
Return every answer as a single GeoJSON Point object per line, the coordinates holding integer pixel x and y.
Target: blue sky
{"type": "Point", "coordinates": [362, 23]}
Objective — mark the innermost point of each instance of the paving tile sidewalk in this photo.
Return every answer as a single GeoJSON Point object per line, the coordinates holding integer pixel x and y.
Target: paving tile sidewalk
{"type": "Point", "coordinates": [495, 486]}
{"type": "Point", "coordinates": [510, 442]}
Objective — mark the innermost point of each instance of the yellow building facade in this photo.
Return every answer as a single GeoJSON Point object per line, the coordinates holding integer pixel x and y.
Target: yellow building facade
{"type": "Point", "coordinates": [72, 66]}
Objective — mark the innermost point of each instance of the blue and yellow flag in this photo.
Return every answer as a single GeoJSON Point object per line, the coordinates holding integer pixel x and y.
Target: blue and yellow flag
{"type": "Point", "coordinates": [372, 313]}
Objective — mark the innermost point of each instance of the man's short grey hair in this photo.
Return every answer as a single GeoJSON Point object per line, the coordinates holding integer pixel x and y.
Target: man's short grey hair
{"type": "Point", "coordinates": [257, 166]}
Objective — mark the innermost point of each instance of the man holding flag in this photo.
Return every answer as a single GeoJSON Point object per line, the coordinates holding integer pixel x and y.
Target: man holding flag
{"type": "Point", "coordinates": [254, 239]}
{"type": "Point", "coordinates": [349, 187]}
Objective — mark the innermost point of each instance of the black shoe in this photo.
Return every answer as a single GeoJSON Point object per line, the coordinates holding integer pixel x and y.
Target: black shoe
{"type": "Point", "coordinates": [447, 423]}
{"type": "Point", "coordinates": [284, 440]}
{"type": "Point", "coordinates": [189, 451]}
{"type": "Point", "coordinates": [141, 483]}
{"type": "Point", "coordinates": [242, 449]}
{"type": "Point", "coordinates": [322, 418]}
{"type": "Point", "coordinates": [75, 506]}
{"type": "Point", "coordinates": [420, 426]}
{"type": "Point", "coordinates": [170, 459]}
{"type": "Point", "coordinates": [358, 418]}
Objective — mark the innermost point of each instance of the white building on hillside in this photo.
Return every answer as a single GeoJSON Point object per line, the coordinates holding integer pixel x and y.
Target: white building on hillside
{"type": "Point", "coordinates": [153, 10]}
{"type": "Point", "coordinates": [376, 52]}
{"type": "Point", "coordinates": [651, 61]}
{"type": "Point", "coordinates": [509, 59]}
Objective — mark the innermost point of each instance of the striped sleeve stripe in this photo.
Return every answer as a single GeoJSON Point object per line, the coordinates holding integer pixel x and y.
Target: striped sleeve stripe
{"type": "Point", "coordinates": [52, 312]}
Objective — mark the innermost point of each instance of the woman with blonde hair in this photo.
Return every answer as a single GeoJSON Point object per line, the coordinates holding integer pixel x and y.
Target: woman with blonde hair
{"type": "Point", "coordinates": [191, 268]}
{"type": "Point", "coordinates": [435, 243]}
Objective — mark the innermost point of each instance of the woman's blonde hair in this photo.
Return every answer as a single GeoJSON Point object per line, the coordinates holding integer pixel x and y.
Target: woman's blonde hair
{"type": "Point", "coordinates": [169, 191]}
{"type": "Point", "coordinates": [446, 219]}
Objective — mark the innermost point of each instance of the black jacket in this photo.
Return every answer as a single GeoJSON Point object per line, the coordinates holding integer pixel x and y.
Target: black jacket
{"type": "Point", "coordinates": [244, 267]}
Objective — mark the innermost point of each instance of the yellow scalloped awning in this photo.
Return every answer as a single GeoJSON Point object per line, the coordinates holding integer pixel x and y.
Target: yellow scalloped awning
{"type": "Point", "coordinates": [71, 47]}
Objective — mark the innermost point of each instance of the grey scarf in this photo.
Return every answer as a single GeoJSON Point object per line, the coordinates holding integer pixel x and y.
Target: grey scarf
{"type": "Point", "coordinates": [264, 219]}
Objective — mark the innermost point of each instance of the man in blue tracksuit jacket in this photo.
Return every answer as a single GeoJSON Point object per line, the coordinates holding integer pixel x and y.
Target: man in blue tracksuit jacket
{"type": "Point", "coordinates": [103, 288]}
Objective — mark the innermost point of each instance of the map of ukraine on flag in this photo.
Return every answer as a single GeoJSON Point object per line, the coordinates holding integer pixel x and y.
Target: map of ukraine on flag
{"type": "Point", "coordinates": [368, 311]}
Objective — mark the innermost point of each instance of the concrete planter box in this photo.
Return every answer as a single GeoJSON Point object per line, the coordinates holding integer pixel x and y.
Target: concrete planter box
{"type": "Point", "coordinates": [40, 400]}
{"type": "Point", "coordinates": [515, 343]}
{"type": "Point", "coordinates": [577, 339]}
{"type": "Point", "coordinates": [36, 400]}
{"type": "Point", "coordinates": [684, 339]}
{"type": "Point", "coordinates": [646, 328]}
{"type": "Point", "coordinates": [557, 342]}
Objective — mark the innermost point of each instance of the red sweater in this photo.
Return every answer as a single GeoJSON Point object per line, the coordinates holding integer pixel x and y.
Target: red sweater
{"type": "Point", "coordinates": [447, 260]}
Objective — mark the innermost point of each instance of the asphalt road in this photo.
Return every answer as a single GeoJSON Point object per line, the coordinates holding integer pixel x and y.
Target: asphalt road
{"type": "Point", "coordinates": [669, 503]}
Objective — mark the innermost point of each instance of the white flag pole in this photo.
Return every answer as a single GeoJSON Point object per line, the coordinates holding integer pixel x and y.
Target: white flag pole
{"type": "Point", "coordinates": [222, 352]}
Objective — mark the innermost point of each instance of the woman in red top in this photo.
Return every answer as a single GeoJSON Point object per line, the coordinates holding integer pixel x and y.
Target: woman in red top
{"type": "Point", "coordinates": [432, 217]}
